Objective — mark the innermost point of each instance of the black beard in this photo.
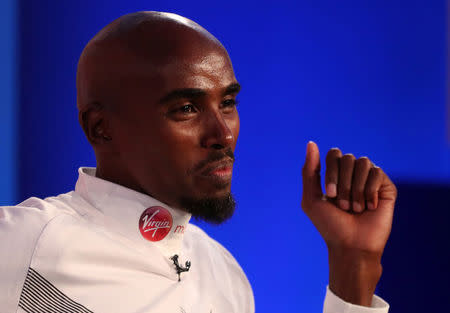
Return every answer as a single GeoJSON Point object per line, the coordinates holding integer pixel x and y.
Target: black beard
{"type": "Point", "coordinates": [212, 210]}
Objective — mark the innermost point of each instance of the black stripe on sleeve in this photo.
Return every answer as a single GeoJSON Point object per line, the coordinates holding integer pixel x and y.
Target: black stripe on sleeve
{"type": "Point", "coordinates": [40, 296]}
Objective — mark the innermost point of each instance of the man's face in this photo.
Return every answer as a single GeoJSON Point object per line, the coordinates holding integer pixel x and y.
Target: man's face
{"type": "Point", "coordinates": [176, 127]}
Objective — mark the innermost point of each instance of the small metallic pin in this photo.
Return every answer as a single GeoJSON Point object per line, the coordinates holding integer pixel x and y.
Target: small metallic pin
{"type": "Point", "coordinates": [179, 268]}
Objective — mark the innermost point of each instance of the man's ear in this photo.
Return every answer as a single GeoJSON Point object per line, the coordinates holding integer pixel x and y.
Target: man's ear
{"type": "Point", "coordinates": [95, 124]}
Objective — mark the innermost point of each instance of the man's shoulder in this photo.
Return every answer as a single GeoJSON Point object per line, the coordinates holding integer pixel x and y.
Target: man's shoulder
{"type": "Point", "coordinates": [23, 223]}
{"type": "Point", "coordinates": [21, 226]}
{"type": "Point", "coordinates": [34, 212]}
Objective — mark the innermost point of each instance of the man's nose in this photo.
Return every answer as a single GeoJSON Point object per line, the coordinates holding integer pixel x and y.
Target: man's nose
{"type": "Point", "coordinates": [218, 134]}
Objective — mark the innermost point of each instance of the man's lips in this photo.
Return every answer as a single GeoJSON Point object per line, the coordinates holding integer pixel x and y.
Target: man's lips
{"type": "Point", "coordinates": [220, 169]}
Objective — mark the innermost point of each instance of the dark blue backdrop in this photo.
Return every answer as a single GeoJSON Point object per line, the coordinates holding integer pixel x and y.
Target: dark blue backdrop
{"type": "Point", "coordinates": [368, 77]}
{"type": "Point", "coordinates": [8, 102]}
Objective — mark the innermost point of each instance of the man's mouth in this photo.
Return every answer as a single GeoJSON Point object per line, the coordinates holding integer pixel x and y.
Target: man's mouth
{"type": "Point", "coordinates": [220, 170]}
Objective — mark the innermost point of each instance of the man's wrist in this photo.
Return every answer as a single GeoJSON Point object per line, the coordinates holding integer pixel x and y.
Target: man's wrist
{"type": "Point", "coordinates": [354, 275]}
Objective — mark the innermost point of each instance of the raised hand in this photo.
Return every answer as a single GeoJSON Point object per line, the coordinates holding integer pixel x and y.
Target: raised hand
{"type": "Point", "coordinates": [354, 218]}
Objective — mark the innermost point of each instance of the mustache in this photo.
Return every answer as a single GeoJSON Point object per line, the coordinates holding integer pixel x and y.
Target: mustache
{"type": "Point", "coordinates": [214, 157]}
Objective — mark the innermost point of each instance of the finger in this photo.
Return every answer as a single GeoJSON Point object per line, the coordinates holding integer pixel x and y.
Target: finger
{"type": "Point", "coordinates": [311, 173]}
{"type": "Point", "coordinates": [360, 174]}
{"type": "Point", "coordinates": [373, 184]}
{"type": "Point", "coordinates": [332, 171]}
{"type": "Point", "coordinates": [344, 187]}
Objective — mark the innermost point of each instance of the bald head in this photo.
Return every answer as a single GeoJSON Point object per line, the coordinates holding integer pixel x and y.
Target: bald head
{"type": "Point", "coordinates": [141, 43]}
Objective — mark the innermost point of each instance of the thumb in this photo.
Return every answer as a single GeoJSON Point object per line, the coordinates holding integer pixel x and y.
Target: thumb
{"type": "Point", "coordinates": [312, 188]}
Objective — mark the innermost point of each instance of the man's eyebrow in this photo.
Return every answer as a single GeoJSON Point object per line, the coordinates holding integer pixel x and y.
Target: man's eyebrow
{"type": "Point", "coordinates": [232, 88]}
{"type": "Point", "coordinates": [182, 94]}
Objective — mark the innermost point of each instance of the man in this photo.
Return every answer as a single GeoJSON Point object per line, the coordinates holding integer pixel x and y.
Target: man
{"type": "Point", "coordinates": [157, 101]}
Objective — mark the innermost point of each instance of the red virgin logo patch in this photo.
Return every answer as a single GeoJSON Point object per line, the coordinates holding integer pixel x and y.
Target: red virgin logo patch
{"type": "Point", "coordinates": [155, 223]}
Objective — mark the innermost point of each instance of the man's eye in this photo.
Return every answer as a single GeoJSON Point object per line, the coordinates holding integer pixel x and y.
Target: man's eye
{"type": "Point", "coordinates": [187, 108]}
{"type": "Point", "coordinates": [230, 103]}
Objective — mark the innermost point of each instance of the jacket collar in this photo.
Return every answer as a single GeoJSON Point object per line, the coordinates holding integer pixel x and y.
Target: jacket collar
{"type": "Point", "coordinates": [137, 216]}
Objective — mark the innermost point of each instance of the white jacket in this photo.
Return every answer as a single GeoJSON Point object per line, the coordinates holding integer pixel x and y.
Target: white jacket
{"type": "Point", "coordinates": [104, 248]}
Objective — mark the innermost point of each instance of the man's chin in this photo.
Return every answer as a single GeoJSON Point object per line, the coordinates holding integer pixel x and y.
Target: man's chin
{"type": "Point", "coordinates": [215, 210]}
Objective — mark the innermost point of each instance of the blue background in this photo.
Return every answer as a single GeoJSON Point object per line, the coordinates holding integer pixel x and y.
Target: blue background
{"type": "Point", "coordinates": [367, 77]}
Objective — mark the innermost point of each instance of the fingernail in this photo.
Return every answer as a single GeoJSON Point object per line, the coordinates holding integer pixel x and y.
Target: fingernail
{"type": "Point", "coordinates": [331, 190]}
{"type": "Point", "coordinates": [357, 207]}
{"type": "Point", "coordinates": [370, 206]}
{"type": "Point", "coordinates": [344, 204]}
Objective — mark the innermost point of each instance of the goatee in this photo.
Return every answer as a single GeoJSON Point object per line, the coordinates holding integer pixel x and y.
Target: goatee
{"type": "Point", "coordinates": [212, 210]}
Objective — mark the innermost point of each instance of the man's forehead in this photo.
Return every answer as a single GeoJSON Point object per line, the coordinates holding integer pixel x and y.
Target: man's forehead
{"type": "Point", "coordinates": [210, 73]}
{"type": "Point", "coordinates": [207, 63]}
{"type": "Point", "coordinates": [201, 70]}
{"type": "Point", "coordinates": [190, 68]}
